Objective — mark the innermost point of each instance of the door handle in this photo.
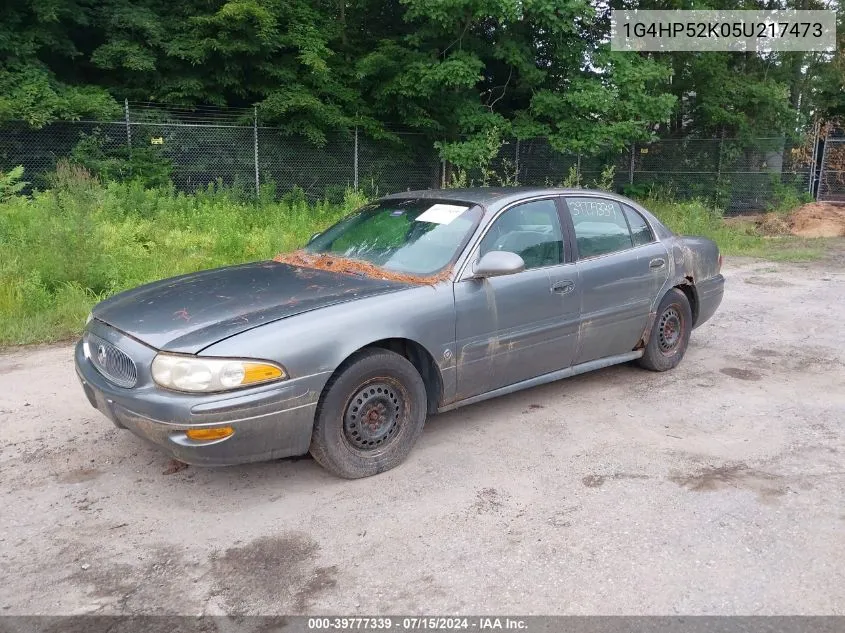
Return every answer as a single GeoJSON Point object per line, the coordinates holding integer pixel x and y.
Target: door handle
{"type": "Point", "coordinates": [658, 262]}
{"type": "Point", "coordinates": [563, 287]}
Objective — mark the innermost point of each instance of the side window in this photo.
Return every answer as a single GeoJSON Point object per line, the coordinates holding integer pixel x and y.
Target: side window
{"type": "Point", "coordinates": [531, 230]}
{"type": "Point", "coordinates": [600, 226]}
{"type": "Point", "coordinates": [640, 230]}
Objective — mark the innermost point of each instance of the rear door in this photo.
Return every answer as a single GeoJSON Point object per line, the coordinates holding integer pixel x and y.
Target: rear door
{"type": "Point", "coordinates": [515, 327]}
{"type": "Point", "coordinates": [621, 268]}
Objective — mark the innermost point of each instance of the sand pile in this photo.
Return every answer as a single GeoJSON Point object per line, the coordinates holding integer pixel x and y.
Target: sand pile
{"type": "Point", "coordinates": [818, 219]}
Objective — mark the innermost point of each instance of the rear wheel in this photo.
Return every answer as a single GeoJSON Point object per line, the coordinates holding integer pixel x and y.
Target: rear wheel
{"type": "Point", "coordinates": [370, 415]}
{"type": "Point", "coordinates": [670, 333]}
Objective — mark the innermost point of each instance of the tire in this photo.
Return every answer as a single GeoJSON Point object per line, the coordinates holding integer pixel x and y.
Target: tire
{"type": "Point", "coordinates": [670, 333]}
{"type": "Point", "coordinates": [387, 391]}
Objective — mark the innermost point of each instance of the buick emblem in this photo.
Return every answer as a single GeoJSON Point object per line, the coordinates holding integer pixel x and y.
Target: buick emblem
{"type": "Point", "coordinates": [101, 354]}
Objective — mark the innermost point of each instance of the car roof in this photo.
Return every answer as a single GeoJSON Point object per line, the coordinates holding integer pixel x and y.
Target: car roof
{"type": "Point", "coordinates": [501, 195]}
{"type": "Point", "coordinates": [494, 198]}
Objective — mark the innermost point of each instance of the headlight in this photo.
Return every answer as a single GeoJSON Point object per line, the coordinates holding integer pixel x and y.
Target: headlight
{"type": "Point", "coordinates": [205, 375]}
{"type": "Point", "coordinates": [88, 319]}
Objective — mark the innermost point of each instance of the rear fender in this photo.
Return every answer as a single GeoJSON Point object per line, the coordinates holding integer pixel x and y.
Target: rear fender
{"type": "Point", "coordinates": [695, 259]}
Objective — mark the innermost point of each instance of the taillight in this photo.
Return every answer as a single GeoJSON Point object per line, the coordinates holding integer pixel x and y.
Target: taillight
{"type": "Point", "coordinates": [720, 262]}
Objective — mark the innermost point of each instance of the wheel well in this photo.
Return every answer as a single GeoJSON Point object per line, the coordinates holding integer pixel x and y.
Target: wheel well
{"type": "Point", "coordinates": [688, 288]}
{"type": "Point", "coordinates": [419, 358]}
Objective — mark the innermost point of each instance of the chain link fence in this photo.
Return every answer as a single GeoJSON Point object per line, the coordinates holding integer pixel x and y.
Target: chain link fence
{"type": "Point", "coordinates": [832, 172]}
{"type": "Point", "coordinates": [197, 147]}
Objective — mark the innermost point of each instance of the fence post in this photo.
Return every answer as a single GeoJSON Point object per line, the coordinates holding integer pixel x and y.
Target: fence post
{"type": "Point", "coordinates": [821, 169]}
{"type": "Point", "coordinates": [255, 150]}
{"type": "Point", "coordinates": [719, 159]}
{"type": "Point", "coordinates": [128, 133]}
{"type": "Point", "coordinates": [578, 171]}
{"type": "Point", "coordinates": [516, 165]}
{"type": "Point", "coordinates": [717, 189]}
{"type": "Point", "coordinates": [442, 173]}
{"type": "Point", "coordinates": [813, 148]}
{"type": "Point", "coordinates": [631, 165]}
{"type": "Point", "coordinates": [355, 161]}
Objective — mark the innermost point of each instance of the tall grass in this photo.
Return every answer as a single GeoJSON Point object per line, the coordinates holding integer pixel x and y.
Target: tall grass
{"type": "Point", "coordinates": [64, 249]}
{"type": "Point", "coordinates": [696, 218]}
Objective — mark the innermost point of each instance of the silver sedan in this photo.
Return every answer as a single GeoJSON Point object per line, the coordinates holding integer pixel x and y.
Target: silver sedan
{"type": "Point", "coordinates": [415, 304]}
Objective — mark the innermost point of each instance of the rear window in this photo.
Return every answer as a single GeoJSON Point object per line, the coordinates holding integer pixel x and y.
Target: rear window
{"type": "Point", "coordinates": [640, 230]}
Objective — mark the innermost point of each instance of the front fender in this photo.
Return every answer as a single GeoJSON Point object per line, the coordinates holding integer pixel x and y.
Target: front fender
{"type": "Point", "coordinates": [318, 342]}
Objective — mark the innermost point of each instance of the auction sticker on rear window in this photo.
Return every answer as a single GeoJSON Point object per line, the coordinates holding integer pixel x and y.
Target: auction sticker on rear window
{"type": "Point", "coordinates": [441, 213]}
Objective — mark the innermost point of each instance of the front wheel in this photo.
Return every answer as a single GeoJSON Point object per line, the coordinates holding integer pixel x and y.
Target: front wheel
{"type": "Point", "coordinates": [370, 415]}
{"type": "Point", "coordinates": [670, 333]}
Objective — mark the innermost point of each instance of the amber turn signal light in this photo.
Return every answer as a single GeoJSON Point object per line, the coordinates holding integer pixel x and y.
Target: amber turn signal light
{"type": "Point", "coordinates": [206, 435]}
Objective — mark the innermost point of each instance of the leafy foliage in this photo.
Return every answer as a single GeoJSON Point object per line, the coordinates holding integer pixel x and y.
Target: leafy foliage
{"type": "Point", "coordinates": [11, 183]}
{"type": "Point", "coordinates": [114, 161]}
{"type": "Point", "coordinates": [465, 74]}
{"type": "Point", "coordinates": [605, 180]}
{"type": "Point", "coordinates": [64, 249]}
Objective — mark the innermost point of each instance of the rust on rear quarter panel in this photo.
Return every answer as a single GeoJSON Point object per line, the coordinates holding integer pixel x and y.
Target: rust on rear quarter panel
{"type": "Point", "coordinates": [647, 332]}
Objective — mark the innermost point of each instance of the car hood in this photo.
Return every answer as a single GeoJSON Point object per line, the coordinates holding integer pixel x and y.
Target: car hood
{"type": "Point", "coordinates": [190, 312]}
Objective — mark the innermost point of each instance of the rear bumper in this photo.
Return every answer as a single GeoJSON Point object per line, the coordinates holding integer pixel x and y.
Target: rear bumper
{"type": "Point", "coordinates": [269, 422]}
{"type": "Point", "coordinates": [710, 293]}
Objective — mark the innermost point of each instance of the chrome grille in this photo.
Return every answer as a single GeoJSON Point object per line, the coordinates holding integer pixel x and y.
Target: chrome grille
{"type": "Point", "coordinates": [107, 359]}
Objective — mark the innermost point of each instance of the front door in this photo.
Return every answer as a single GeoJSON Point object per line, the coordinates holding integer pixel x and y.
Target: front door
{"type": "Point", "coordinates": [515, 327]}
{"type": "Point", "coordinates": [621, 268]}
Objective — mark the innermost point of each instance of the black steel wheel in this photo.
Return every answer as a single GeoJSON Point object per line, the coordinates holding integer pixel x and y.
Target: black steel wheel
{"type": "Point", "coordinates": [370, 415]}
{"type": "Point", "coordinates": [670, 333]}
{"type": "Point", "coordinates": [373, 415]}
{"type": "Point", "coordinates": [670, 329]}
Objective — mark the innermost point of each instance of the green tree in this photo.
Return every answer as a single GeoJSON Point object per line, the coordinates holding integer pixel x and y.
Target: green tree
{"type": "Point", "coordinates": [35, 45]}
{"type": "Point", "coordinates": [470, 72]}
{"type": "Point", "coordinates": [465, 74]}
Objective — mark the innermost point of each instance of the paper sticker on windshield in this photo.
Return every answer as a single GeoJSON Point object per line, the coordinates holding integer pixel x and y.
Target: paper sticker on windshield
{"type": "Point", "coordinates": [441, 213]}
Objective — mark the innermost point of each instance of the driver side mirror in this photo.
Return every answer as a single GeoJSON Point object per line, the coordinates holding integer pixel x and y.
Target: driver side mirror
{"type": "Point", "coordinates": [498, 263]}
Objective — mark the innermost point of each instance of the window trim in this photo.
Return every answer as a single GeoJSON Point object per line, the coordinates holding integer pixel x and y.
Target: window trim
{"type": "Point", "coordinates": [645, 221]}
{"type": "Point", "coordinates": [471, 250]}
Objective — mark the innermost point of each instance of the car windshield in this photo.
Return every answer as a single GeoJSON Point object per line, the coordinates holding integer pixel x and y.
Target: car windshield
{"type": "Point", "coordinates": [419, 236]}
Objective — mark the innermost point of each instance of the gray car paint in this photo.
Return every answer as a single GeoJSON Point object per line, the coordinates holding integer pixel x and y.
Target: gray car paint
{"type": "Point", "coordinates": [511, 328]}
{"type": "Point", "coordinates": [482, 335]}
{"type": "Point", "coordinates": [186, 313]}
{"type": "Point", "coordinates": [498, 341]}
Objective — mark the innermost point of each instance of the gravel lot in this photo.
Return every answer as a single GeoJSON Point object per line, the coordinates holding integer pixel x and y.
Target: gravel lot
{"type": "Point", "coordinates": [715, 488]}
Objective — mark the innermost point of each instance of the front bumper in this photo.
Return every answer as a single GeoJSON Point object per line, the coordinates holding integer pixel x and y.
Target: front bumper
{"type": "Point", "coordinates": [269, 421]}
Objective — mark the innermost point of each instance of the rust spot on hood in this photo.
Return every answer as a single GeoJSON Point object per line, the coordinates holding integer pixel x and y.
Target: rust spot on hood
{"type": "Point", "coordinates": [303, 273]}
{"type": "Point", "coordinates": [348, 266]}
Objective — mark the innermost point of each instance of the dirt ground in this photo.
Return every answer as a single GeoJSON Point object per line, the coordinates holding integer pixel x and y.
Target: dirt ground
{"type": "Point", "coordinates": [716, 488]}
